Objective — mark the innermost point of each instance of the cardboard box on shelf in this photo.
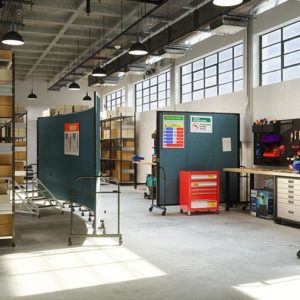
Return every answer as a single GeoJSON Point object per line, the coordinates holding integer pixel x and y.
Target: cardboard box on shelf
{"type": "Point", "coordinates": [5, 76]}
{"type": "Point", "coordinates": [5, 55]}
{"type": "Point", "coordinates": [5, 159]}
{"type": "Point", "coordinates": [6, 100]}
{"type": "Point", "coordinates": [19, 179]}
{"type": "Point", "coordinates": [20, 144]}
{"type": "Point", "coordinates": [5, 111]}
{"type": "Point", "coordinates": [3, 187]}
{"type": "Point", "coordinates": [21, 155]}
{"type": "Point", "coordinates": [124, 155]}
{"type": "Point", "coordinates": [128, 144]}
{"type": "Point", "coordinates": [5, 229]}
{"type": "Point", "coordinates": [105, 154]}
{"type": "Point", "coordinates": [4, 198]}
{"type": "Point", "coordinates": [19, 166]}
{"type": "Point", "coordinates": [5, 171]}
{"type": "Point", "coordinates": [105, 134]}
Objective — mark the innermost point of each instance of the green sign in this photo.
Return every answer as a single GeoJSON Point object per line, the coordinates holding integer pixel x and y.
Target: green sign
{"type": "Point", "coordinates": [201, 124]}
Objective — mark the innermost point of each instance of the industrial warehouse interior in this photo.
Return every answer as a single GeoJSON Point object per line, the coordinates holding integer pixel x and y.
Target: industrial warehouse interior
{"type": "Point", "coordinates": [150, 149]}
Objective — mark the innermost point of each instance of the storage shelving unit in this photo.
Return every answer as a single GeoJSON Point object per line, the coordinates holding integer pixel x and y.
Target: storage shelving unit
{"type": "Point", "coordinates": [117, 145]}
{"type": "Point", "coordinates": [7, 146]}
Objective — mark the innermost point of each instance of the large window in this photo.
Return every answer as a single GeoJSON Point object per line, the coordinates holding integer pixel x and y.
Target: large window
{"type": "Point", "coordinates": [115, 99]}
{"type": "Point", "coordinates": [214, 75]}
{"type": "Point", "coordinates": [153, 93]}
{"type": "Point", "coordinates": [280, 54]}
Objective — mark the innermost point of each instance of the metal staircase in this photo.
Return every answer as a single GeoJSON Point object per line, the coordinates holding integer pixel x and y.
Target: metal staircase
{"type": "Point", "coordinates": [33, 196]}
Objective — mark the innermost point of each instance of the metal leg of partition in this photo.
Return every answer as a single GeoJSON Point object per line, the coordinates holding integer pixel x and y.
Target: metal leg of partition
{"type": "Point", "coordinates": [163, 208]}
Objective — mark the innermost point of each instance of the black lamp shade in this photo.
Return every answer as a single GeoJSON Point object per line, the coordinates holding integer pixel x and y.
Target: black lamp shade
{"type": "Point", "coordinates": [227, 2]}
{"type": "Point", "coordinates": [87, 97]}
{"type": "Point", "coordinates": [138, 49]}
{"type": "Point", "coordinates": [12, 38]}
{"type": "Point", "coordinates": [32, 96]}
{"type": "Point", "coordinates": [74, 86]}
{"type": "Point", "coordinates": [99, 72]}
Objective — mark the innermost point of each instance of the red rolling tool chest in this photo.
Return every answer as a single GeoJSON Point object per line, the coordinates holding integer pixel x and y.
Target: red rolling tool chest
{"type": "Point", "coordinates": [199, 191]}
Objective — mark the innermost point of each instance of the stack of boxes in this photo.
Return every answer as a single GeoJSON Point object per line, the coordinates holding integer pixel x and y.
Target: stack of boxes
{"type": "Point", "coordinates": [262, 201]}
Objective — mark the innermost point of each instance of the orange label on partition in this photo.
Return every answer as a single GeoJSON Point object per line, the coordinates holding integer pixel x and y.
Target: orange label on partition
{"type": "Point", "coordinates": [71, 127]}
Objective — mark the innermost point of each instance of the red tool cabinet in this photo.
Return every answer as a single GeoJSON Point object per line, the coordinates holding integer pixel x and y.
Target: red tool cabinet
{"type": "Point", "coordinates": [199, 191]}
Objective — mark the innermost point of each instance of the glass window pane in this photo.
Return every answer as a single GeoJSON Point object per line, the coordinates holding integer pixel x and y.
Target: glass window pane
{"type": "Point", "coordinates": [113, 102]}
{"type": "Point", "coordinates": [186, 69]}
{"type": "Point", "coordinates": [146, 99]}
{"type": "Point", "coordinates": [272, 77]}
{"type": "Point", "coordinates": [271, 38]}
{"type": "Point", "coordinates": [168, 85]}
{"type": "Point", "coordinates": [162, 78]}
{"type": "Point", "coordinates": [271, 65]}
{"type": "Point", "coordinates": [211, 81]}
{"type": "Point", "coordinates": [198, 95]}
{"type": "Point", "coordinates": [225, 54]}
{"type": "Point", "coordinates": [238, 50]}
{"type": "Point", "coordinates": [162, 103]}
{"type": "Point", "coordinates": [118, 94]}
{"type": "Point", "coordinates": [292, 58]}
{"type": "Point", "coordinates": [168, 93]}
{"type": "Point", "coordinates": [186, 98]}
{"type": "Point", "coordinates": [291, 73]}
{"type": "Point", "coordinates": [211, 71]}
{"type": "Point", "coordinates": [123, 92]}
{"type": "Point", "coordinates": [153, 81]}
{"type": "Point", "coordinates": [211, 60]}
{"type": "Point", "coordinates": [238, 62]}
{"type": "Point", "coordinates": [271, 51]}
{"type": "Point", "coordinates": [146, 92]}
{"type": "Point", "coordinates": [161, 86]}
{"type": "Point", "coordinates": [139, 86]}
{"type": "Point", "coordinates": [197, 65]}
{"type": "Point", "coordinates": [162, 95]}
{"type": "Point", "coordinates": [186, 88]}
{"type": "Point", "coordinates": [145, 84]}
{"type": "Point", "coordinates": [238, 74]}
{"type": "Point", "coordinates": [153, 97]}
{"type": "Point", "coordinates": [225, 66]}
{"type": "Point", "coordinates": [139, 94]}
{"type": "Point", "coordinates": [168, 75]}
{"type": "Point", "coordinates": [198, 75]}
{"type": "Point", "coordinates": [139, 109]}
{"type": "Point", "coordinates": [145, 107]}
{"type": "Point", "coordinates": [225, 88]}
{"type": "Point", "coordinates": [238, 85]}
{"type": "Point", "coordinates": [139, 101]}
{"type": "Point", "coordinates": [153, 89]}
{"type": "Point", "coordinates": [292, 45]}
{"type": "Point", "coordinates": [108, 97]}
{"type": "Point", "coordinates": [211, 92]}
{"type": "Point", "coordinates": [225, 77]}
{"type": "Point", "coordinates": [187, 78]}
{"type": "Point", "coordinates": [291, 30]}
{"type": "Point", "coordinates": [198, 85]}
{"type": "Point", "coordinates": [153, 105]}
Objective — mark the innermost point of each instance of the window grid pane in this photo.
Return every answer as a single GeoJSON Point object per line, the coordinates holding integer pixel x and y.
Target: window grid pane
{"type": "Point", "coordinates": [214, 75]}
{"type": "Point", "coordinates": [115, 99]}
{"type": "Point", "coordinates": [153, 93]}
{"type": "Point", "coordinates": [280, 55]}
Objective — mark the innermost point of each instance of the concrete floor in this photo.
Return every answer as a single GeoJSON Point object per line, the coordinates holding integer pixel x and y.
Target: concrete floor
{"type": "Point", "coordinates": [204, 256]}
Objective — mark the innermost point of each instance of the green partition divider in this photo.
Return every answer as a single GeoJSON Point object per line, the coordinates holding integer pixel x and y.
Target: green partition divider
{"type": "Point", "coordinates": [58, 170]}
{"type": "Point", "coordinates": [204, 147]}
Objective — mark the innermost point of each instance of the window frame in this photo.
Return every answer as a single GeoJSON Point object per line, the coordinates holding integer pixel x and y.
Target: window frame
{"type": "Point", "coordinates": [113, 96]}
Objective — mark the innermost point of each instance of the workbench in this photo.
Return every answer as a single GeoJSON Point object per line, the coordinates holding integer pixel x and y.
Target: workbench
{"type": "Point", "coordinates": [254, 171]}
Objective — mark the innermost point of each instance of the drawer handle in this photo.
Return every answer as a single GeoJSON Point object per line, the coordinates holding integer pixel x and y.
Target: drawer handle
{"type": "Point", "coordinates": [291, 212]}
{"type": "Point", "coordinates": [290, 181]}
{"type": "Point", "coordinates": [291, 186]}
{"type": "Point", "coordinates": [291, 202]}
{"type": "Point", "coordinates": [291, 197]}
{"type": "Point", "coordinates": [291, 192]}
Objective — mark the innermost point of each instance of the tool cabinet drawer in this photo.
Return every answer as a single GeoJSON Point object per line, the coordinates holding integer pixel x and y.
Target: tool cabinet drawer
{"type": "Point", "coordinates": [288, 211]}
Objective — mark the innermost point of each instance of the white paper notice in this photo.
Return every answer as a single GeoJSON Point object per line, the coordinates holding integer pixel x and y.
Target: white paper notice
{"type": "Point", "coordinates": [226, 144]}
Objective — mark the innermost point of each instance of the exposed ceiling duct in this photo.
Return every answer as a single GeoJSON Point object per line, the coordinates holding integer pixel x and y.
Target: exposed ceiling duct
{"type": "Point", "coordinates": [229, 24]}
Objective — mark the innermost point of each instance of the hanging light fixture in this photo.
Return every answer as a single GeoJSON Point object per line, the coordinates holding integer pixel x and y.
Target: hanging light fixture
{"type": "Point", "coordinates": [73, 86]}
{"type": "Point", "coordinates": [12, 37]}
{"type": "Point", "coordinates": [32, 95]}
{"type": "Point", "coordinates": [138, 48]}
{"type": "Point", "coordinates": [227, 2]}
{"type": "Point", "coordinates": [87, 97]}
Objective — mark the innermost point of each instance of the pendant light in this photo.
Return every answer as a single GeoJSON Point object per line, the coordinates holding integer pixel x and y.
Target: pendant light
{"type": "Point", "coordinates": [12, 38]}
{"type": "Point", "coordinates": [99, 71]}
{"type": "Point", "coordinates": [73, 86]}
{"type": "Point", "coordinates": [87, 97]}
{"type": "Point", "coordinates": [32, 95]}
{"type": "Point", "coordinates": [227, 2]}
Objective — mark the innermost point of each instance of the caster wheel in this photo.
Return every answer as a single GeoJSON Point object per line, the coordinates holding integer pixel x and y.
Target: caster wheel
{"type": "Point", "coordinates": [163, 213]}
{"type": "Point", "coordinates": [120, 241]}
{"type": "Point", "coordinates": [189, 213]}
{"type": "Point", "coordinates": [63, 206]}
{"type": "Point", "coordinates": [298, 254]}
{"type": "Point", "coordinates": [70, 242]}
{"type": "Point", "coordinates": [277, 221]}
{"type": "Point", "coordinates": [145, 195]}
{"type": "Point", "coordinates": [82, 214]}
{"type": "Point", "coordinates": [181, 211]}
{"type": "Point", "coordinates": [79, 208]}
{"type": "Point", "coordinates": [90, 219]}
{"type": "Point", "coordinates": [62, 212]}
{"type": "Point", "coordinates": [244, 207]}
{"type": "Point", "coordinates": [150, 208]}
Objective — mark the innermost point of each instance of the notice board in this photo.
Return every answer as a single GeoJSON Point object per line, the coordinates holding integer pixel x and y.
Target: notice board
{"type": "Point", "coordinates": [195, 141]}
